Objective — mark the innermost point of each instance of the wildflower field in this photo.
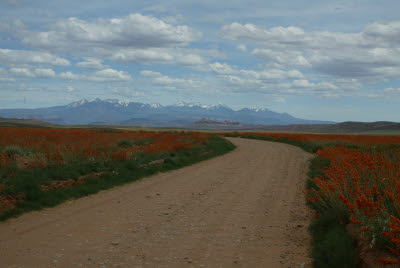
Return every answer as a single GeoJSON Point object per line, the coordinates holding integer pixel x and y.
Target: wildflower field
{"type": "Point", "coordinates": [354, 179]}
{"type": "Point", "coordinates": [42, 167]}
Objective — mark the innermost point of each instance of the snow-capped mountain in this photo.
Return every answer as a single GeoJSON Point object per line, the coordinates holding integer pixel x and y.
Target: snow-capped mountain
{"type": "Point", "coordinates": [115, 102]}
{"type": "Point", "coordinates": [199, 105]}
{"type": "Point", "coordinates": [112, 111]}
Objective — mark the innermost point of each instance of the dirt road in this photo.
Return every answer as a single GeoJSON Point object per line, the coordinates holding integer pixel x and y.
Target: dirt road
{"type": "Point", "coordinates": [243, 209]}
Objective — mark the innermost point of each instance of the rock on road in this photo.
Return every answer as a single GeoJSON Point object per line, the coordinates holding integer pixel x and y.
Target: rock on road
{"type": "Point", "coordinates": [243, 209]}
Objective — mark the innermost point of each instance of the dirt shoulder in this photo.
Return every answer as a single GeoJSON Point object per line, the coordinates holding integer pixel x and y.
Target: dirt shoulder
{"type": "Point", "coordinates": [244, 209]}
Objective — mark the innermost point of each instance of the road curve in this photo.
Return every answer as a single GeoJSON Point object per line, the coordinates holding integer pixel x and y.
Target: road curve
{"type": "Point", "coordinates": [242, 209]}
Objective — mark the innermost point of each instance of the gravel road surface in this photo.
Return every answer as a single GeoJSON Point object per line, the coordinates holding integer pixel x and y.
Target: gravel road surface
{"type": "Point", "coordinates": [242, 209]}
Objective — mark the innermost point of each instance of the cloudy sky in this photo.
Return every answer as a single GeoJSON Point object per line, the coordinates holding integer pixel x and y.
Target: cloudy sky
{"type": "Point", "coordinates": [315, 59]}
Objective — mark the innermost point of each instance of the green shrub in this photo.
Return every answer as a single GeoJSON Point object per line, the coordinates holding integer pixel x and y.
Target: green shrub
{"type": "Point", "coordinates": [125, 143]}
{"type": "Point", "coordinates": [129, 143]}
{"type": "Point", "coordinates": [317, 164]}
{"type": "Point", "coordinates": [333, 246]}
{"type": "Point", "coordinates": [13, 150]}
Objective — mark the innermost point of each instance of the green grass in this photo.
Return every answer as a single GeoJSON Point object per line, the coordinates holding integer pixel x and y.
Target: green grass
{"type": "Point", "coordinates": [129, 143]}
{"type": "Point", "coordinates": [115, 173]}
{"type": "Point", "coordinates": [317, 164]}
{"type": "Point", "coordinates": [333, 246]}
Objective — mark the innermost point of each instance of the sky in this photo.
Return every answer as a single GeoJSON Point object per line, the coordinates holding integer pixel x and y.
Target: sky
{"type": "Point", "coordinates": [322, 60]}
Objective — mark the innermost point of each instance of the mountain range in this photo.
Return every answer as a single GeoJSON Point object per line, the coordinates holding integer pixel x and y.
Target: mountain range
{"type": "Point", "coordinates": [116, 112]}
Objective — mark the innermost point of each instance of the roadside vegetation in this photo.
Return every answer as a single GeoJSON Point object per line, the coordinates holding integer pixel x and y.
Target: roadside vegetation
{"type": "Point", "coordinates": [44, 167]}
{"type": "Point", "coordinates": [354, 179]}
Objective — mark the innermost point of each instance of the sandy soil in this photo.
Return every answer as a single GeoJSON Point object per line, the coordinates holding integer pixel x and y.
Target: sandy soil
{"type": "Point", "coordinates": [243, 209]}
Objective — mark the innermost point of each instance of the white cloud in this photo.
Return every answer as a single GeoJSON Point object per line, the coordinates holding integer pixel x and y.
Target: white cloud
{"type": "Point", "coordinates": [5, 76]}
{"type": "Point", "coordinates": [268, 74]}
{"type": "Point", "coordinates": [302, 83]}
{"type": "Point", "coordinates": [278, 99]}
{"type": "Point", "coordinates": [373, 54]}
{"type": "Point", "coordinates": [132, 31]}
{"type": "Point", "coordinates": [135, 38]}
{"type": "Point", "coordinates": [22, 72]}
{"type": "Point", "coordinates": [37, 73]}
{"type": "Point", "coordinates": [241, 47]}
{"type": "Point", "coordinates": [19, 57]}
{"type": "Point", "coordinates": [321, 86]}
{"type": "Point", "coordinates": [389, 33]}
{"type": "Point", "coordinates": [106, 75]}
{"type": "Point", "coordinates": [70, 89]}
{"type": "Point", "coordinates": [386, 93]}
{"type": "Point", "coordinates": [230, 79]}
{"type": "Point", "coordinates": [319, 89]}
{"type": "Point", "coordinates": [147, 73]}
{"type": "Point", "coordinates": [392, 91]}
{"type": "Point", "coordinates": [175, 83]}
{"type": "Point", "coordinates": [173, 19]}
{"type": "Point", "coordinates": [157, 8]}
{"type": "Point", "coordinates": [126, 93]}
{"type": "Point", "coordinates": [277, 81]}
{"type": "Point", "coordinates": [237, 31]}
{"type": "Point", "coordinates": [19, 24]}
{"type": "Point", "coordinates": [285, 58]}
{"type": "Point", "coordinates": [157, 56]}
{"type": "Point", "coordinates": [71, 76]}
{"type": "Point", "coordinates": [91, 63]}
{"type": "Point", "coordinates": [222, 68]}
{"type": "Point", "coordinates": [111, 74]}
{"type": "Point", "coordinates": [44, 73]}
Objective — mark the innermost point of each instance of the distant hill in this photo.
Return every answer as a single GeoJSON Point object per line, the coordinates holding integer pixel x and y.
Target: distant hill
{"type": "Point", "coordinates": [206, 121]}
{"type": "Point", "coordinates": [16, 122]}
{"type": "Point", "coordinates": [345, 127]}
{"type": "Point", "coordinates": [382, 127]}
{"type": "Point", "coordinates": [115, 112]}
